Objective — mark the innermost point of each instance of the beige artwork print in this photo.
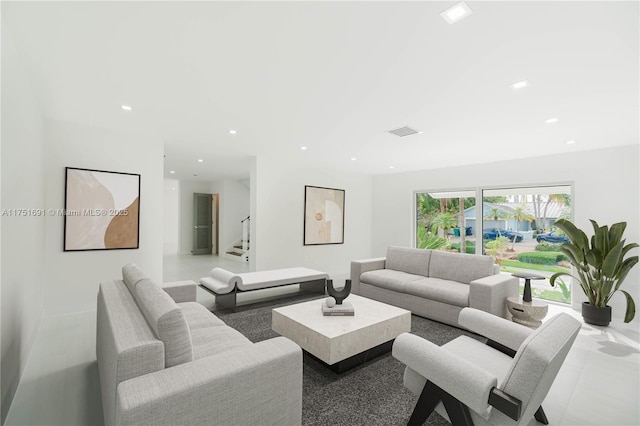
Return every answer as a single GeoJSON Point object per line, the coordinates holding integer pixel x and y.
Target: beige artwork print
{"type": "Point", "coordinates": [323, 216]}
{"type": "Point", "coordinates": [94, 218]}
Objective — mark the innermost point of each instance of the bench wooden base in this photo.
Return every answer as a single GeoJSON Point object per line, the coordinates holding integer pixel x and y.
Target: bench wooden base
{"type": "Point", "coordinates": [230, 301]}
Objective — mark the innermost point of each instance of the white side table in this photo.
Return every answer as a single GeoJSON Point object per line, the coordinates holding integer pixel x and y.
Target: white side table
{"type": "Point", "coordinates": [528, 314]}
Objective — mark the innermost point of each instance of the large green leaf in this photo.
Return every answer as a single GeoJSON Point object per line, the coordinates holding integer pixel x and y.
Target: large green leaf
{"type": "Point", "coordinates": [612, 261]}
{"type": "Point", "coordinates": [594, 258]}
{"type": "Point", "coordinates": [629, 247]}
{"type": "Point", "coordinates": [575, 255]}
{"type": "Point", "coordinates": [554, 277]}
{"type": "Point", "coordinates": [600, 240]}
{"type": "Point", "coordinates": [557, 275]}
{"type": "Point", "coordinates": [627, 264]}
{"type": "Point", "coordinates": [615, 233]}
{"type": "Point", "coordinates": [576, 236]}
{"type": "Point", "coordinates": [631, 307]}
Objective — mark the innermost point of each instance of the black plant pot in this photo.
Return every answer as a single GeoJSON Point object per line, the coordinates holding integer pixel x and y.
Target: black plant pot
{"type": "Point", "coordinates": [596, 315]}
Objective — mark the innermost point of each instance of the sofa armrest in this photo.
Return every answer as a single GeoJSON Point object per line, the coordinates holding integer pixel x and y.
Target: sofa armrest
{"type": "Point", "coordinates": [465, 381]}
{"type": "Point", "coordinates": [490, 294]}
{"type": "Point", "coordinates": [181, 291]}
{"type": "Point", "coordinates": [499, 330]}
{"type": "Point", "coordinates": [358, 267]}
{"type": "Point", "coordinates": [260, 384]}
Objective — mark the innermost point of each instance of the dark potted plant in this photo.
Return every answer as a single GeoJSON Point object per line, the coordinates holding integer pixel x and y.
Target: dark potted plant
{"type": "Point", "coordinates": [600, 267]}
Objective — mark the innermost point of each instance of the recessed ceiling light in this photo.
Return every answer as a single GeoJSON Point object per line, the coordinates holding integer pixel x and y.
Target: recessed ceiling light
{"type": "Point", "coordinates": [172, 172]}
{"type": "Point", "coordinates": [304, 148]}
{"type": "Point", "coordinates": [551, 120]}
{"type": "Point", "coordinates": [200, 160]}
{"type": "Point", "coordinates": [520, 84]}
{"type": "Point", "coordinates": [126, 107]}
{"type": "Point", "coordinates": [456, 13]}
{"type": "Point", "coordinates": [353, 158]}
{"type": "Point", "coordinates": [233, 132]}
{"type": "Point", "coordinates": [571, 142]}
{"type": "Point", "coordinates": [391, 167]}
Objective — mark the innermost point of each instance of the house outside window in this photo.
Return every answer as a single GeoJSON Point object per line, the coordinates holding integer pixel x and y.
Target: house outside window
{"type": "Point", "coordinates": [513, 224]}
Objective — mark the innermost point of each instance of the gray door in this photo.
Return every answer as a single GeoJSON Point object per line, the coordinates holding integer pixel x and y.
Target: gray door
{"type": "Point", "coordinates": [202, 204]}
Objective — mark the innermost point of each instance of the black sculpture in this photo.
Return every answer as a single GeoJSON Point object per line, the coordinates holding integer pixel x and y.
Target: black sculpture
{"type": "Point", "coordinates": [339, 295]}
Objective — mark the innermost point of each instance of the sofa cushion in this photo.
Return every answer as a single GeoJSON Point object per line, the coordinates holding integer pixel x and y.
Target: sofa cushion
{"type": "Point", "coordinates": [412, 261]}
{"type": "Point", "coordinates": [460, 267]}
{"type": "Point", "coordinates": [445, 291]}
{"type": "Point", "coordinates": [389, 279]}
{"type": "Point", "coordinates": [209, 341]}
{"type": "Point", "coordinates": [198, 316]}
{"type": "Point", "coordinates": [132, 275]}
{"type": "Point", "coordinates": [167, 320]}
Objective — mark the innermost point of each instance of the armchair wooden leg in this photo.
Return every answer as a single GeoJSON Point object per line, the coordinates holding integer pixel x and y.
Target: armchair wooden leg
{"type": "Point", "coordinates": [458, 412]}
{"type": "Point", "coordinates": [541, 416]}
{"type": "Point", "coordinates": [429, 398]}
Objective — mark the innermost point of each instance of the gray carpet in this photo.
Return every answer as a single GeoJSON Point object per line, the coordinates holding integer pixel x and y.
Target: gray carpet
{"type": "Point", "coordinates": [371, 394]}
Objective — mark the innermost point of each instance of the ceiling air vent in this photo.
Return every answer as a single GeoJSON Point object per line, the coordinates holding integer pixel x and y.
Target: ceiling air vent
{"type": "Point", "coordinates": [404, 131]}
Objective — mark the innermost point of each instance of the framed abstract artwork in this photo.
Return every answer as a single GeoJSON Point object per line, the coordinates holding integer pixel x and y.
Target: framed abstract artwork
{"type": "Point", "coordinates": [323, 215]}
{"type": "Point", "coordinates": [102, 210]}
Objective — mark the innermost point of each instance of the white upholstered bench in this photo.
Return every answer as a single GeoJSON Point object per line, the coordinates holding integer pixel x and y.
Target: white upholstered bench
{"type": "Point", "coordinates": [225, 285]}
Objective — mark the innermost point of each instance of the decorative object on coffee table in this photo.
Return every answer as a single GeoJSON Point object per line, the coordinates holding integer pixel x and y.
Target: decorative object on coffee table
{"type": "Point", "coordinates": [339, 295]}
{"type": "Point", "coordinates": [329, 308]}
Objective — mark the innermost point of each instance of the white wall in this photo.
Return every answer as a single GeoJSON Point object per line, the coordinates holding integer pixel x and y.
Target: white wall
{"type": "Point", "coordinates": [607, 189]}
{"type": "Point", "coordinates": [171, 216]}
{"type": "Point", "coordinates": [22, 166]}
{"type": "Point", "coordinates": [279, 217]}
{"type": "Point", "coordinates": [72, 278]}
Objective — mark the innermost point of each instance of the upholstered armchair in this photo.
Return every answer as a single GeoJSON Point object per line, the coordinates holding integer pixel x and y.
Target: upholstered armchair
{"type": "Point", "coordinates": [502, 382]}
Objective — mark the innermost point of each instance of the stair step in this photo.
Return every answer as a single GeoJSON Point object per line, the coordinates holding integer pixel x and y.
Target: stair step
{"type": "Point", "coordinates": [239, 246]}
{"type": "Point", "coordinates": [235, 253]}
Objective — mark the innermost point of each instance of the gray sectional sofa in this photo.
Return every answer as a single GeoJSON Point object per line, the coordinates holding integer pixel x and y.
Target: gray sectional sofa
{"type": "Point", "coordinates": [434, 284]}
{"type": "Point", "coordinates": [164, 359]}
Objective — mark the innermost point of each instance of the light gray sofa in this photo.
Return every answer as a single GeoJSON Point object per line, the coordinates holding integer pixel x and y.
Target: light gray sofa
{"type": "Point", "coordinates": [434, 284]}
{"type": "Point", "coordinates": [164, 359]}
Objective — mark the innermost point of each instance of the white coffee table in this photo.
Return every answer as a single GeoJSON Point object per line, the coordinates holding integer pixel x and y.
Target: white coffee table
{"type": "Point", "coordinates": [342, 342]}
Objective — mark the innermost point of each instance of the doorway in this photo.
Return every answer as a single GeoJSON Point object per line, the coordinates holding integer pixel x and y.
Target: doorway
{"type": "Point", "coordinates": [215, 230]}
{"type": "Point", "coordinates": [202, 223]}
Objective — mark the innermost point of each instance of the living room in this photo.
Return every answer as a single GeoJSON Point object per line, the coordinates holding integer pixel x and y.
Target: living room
{"type": "Point", "coordinates": [66, 72]}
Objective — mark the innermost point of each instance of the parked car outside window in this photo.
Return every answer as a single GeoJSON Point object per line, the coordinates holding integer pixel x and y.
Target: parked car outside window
{"type": "Point", "coordinates": [553, 237]}
{"type": "Point", "coordinates": [492, 234]}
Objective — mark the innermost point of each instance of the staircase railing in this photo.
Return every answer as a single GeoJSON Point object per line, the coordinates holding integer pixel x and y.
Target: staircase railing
{"type": "Point", "coordinates": [246, 222]}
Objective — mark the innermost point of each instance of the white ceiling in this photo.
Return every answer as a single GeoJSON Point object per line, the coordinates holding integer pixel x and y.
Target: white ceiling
{"type": "Point", "coordinates": [336, 76]}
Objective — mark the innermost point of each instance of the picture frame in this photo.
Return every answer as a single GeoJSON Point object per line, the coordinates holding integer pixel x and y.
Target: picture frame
{"type": "Point", "coordinates": [323, 215]}
{"type": "Point", "coordinates": [101, 210]}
